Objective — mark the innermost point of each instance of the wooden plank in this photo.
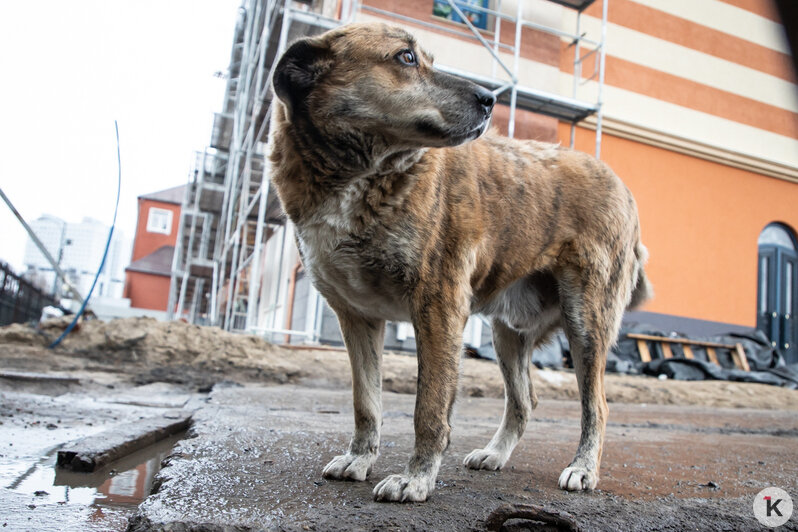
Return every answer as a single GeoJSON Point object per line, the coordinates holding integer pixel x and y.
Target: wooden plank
{"type": "Point", "coordinates": [666, 350]}
{"type": "Point", "coordinates": [93, 452]}
{"type": "Point", "coordinates": [712, 356]}
{"type": "Point", "coordinates": [699, 343]}
{"type": "Point", "coordinates": [642, 348]}
{"type": "Point", "coordinates": [739, 357]}
{"type": "Point", "coordinates": [38, 377]}
{"type": "Point", "coordinates": [688, 351]}
{"type": "Point", "coordinates": [300, 347]}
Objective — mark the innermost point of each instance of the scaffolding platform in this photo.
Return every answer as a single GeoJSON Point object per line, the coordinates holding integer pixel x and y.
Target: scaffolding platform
{"type": "Point", "coordinates": [545, 103]}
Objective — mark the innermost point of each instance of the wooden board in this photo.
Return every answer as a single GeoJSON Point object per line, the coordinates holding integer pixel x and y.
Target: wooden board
{"type": "Point", "coordinates": [666, 350]}
{"type": "Point", "coordinates": [688, 351]}
{"type": "Point", "coordinates": [737, 350]}
{"type": "Point", "coordinates": [712, 356]}
{"type": "Point", "coordinates": [740, 360]}
{"type": "Point", "coordinates": [642, 348]}
{"type": "Point", "coordinates": [667, 339]}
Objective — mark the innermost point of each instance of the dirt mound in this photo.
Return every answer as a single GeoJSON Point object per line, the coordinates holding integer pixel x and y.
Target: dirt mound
{"type": "Point", "coordinates": [18, 333]}
{"type": "Point", "coordinates": [151, 351]}
{"type": "Point", "coordinates": [148, 342]}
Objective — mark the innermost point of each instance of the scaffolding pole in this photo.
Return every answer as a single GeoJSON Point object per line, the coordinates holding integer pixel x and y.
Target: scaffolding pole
{"type": "Point", "coordinates": [602, 59]}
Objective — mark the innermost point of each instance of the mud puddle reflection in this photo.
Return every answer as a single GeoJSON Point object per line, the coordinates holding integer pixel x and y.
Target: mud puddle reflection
{"type": "Point", "coordinates": [102, 500]}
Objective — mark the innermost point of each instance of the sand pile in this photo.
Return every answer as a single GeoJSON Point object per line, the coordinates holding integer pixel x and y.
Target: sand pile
{"type": "Point", "coordinates": [148, 342]}
{"type": "Point", "coordinates": [152, 351]}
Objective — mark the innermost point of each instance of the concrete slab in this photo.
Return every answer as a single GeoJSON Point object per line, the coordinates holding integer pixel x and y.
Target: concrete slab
{"type": "Point", "coordinates": [256, 459]}
{"type": "Point", "coordinates": [94, 452]}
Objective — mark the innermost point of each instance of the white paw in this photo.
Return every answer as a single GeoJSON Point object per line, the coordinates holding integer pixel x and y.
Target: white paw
{"type": "Point", "coordinates": [349, 466]}
{"type": "Point", "coordinates": [485, 459]}
{"type": "Point", "coordinates": [578, 479]}
{"type": "Point", "coordinates": [403, 488]}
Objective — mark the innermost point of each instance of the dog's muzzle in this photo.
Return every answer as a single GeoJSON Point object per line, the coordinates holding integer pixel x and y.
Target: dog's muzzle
{"type": "Point", "coordinates": [486, 99]}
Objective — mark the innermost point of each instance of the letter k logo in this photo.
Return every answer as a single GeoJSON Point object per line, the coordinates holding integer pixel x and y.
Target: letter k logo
{"type": "Point", "coordinates": [772, 507]}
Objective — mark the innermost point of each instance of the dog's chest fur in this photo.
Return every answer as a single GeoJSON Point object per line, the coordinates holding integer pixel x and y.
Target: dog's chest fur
{"type": "Point", "coordinates": [365, 265]}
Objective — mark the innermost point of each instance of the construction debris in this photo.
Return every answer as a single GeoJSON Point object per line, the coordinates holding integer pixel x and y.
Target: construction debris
{"type": "Point", "coordinates": [37, 377]}
{"type": "Point", "coordinates": [93, 452]}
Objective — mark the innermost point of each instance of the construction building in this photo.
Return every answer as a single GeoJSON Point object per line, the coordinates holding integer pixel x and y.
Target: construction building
{"type": "Point", "coordinates": [693, 104]}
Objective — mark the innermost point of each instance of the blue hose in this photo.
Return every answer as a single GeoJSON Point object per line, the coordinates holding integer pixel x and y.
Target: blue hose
{"type": "Point", "coordinates": [107, 244]}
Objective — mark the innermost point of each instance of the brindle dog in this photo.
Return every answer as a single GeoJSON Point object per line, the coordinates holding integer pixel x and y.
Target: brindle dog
{"type": "Point", "coordinates": [407, 210]}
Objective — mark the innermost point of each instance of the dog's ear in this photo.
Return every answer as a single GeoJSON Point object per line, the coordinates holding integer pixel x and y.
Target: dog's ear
{"type": "Point", "coordinates": [299, 69]}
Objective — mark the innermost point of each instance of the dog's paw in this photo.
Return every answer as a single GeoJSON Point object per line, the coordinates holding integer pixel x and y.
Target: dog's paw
{"type": "Point", "coordinates": [403, 488]}
{"type": "Point", "coordinates": [485, 459]}
{"type": "Point", "coordinates": [349, 466]}
{"type": "Point", "coordinates": [578, 479]}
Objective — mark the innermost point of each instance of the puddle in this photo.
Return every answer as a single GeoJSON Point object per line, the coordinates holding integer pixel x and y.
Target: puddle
{"type": "Point", "coordinates": [105, 498]}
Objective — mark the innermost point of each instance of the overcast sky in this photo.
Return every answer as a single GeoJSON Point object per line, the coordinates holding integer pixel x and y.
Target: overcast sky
{"type": "Point", "coordinates": [69, 69]}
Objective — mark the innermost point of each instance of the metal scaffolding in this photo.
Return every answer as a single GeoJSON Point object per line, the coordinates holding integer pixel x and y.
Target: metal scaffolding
{"type": "Point", "coordinates": [235, 263]}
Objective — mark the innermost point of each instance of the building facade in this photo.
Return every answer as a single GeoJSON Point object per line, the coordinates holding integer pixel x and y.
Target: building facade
{"type": "Point", "coordinates": [693, 104]}
{"type": "Point", "coordinates": [701, 122]}
{"type": "Point", "coordinates": [148, 275]}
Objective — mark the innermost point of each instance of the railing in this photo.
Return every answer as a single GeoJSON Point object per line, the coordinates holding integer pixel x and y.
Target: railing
{"type": "Point", "coordinates": [20, 301]}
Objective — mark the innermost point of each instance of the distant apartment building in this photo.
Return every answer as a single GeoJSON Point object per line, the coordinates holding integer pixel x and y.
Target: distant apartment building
{"type": "Point", "coordinates": [78, 248]}
{"type": "Point", "coordinates": [148, 275]}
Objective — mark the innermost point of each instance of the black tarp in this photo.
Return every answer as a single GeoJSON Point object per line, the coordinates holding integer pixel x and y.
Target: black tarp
{"type": "Point", "coordinates": [767, 365]}
{"type": "Point", "coordinates": [694, 370]}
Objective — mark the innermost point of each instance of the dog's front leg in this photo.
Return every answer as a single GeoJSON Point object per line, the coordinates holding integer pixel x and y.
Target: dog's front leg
{"type": "Point", "coordinates": [364, 341]}
{"type": "Point", "coordinates": [438, 319]}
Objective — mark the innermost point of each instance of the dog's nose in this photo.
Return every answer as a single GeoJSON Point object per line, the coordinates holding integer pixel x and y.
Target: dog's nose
{"type": "Point", "coordinates": [485, 98]}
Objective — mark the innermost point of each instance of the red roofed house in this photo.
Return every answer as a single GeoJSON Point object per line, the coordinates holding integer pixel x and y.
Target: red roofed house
{"type": "Point", "coordinates": [149, 273]}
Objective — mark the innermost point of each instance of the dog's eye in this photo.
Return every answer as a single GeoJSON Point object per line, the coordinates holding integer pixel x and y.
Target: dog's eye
{"type": "Point", "coordinates": [407, 57]}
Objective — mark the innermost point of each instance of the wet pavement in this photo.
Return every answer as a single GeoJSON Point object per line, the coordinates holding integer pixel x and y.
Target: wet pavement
{"type": "Point", "coordinates": [256, 457]}
{"type": "Point", "coordinates": [37, 419]}
{"type": "Point", "coordinates": [257, 452]}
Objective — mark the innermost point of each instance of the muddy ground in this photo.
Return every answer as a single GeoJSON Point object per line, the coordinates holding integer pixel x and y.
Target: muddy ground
{"type": "Point", "coordinates": [680, 454]}
{"type": "Point", "coordinates": [255, 459]}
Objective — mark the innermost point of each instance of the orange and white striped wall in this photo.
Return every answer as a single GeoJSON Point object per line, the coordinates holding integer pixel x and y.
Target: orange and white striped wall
{"type": "Point", "coordinates": [700, 119]}
{"type": "Point", "coordinates": [701, 110]}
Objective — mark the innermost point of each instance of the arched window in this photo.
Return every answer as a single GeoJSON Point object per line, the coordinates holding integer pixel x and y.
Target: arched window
{"type": "Point", "coordinates": [777, 294]}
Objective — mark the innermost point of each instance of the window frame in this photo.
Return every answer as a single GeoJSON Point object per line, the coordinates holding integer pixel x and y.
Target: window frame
{"type": "Point", "coordinates": [152, 216]}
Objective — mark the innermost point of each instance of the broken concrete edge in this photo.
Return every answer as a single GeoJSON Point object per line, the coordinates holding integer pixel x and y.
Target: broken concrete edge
{"type": "Point", "coordinates": [93, 452]}
{"type": "Point", "coordinates": [37, 377]}
{"type": "Point", "coordinates": [138, 523]}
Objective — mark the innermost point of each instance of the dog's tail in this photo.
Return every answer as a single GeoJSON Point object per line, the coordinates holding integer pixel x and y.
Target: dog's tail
{"type": "Point", "coordinates": [642, 291]}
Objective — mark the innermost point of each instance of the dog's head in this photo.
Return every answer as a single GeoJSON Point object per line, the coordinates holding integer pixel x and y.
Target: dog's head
{"type": "Point", "coordinates": [372, 84]}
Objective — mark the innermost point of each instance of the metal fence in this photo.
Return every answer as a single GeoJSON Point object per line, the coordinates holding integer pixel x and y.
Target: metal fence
{"type": "Point", "coordinates": [20, 301]}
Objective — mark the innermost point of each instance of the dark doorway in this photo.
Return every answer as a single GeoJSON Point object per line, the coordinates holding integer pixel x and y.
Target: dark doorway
{"type": "Point", "coordinates": [778, 289]}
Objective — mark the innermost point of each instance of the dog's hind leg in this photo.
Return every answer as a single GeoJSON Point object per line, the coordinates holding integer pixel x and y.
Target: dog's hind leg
{"type": "Point", "coordinates": [592, 300]}
{"type": "Point", "coordinates": [512, 351]}
{"type": "Point", "coordinates": [364, 341]}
